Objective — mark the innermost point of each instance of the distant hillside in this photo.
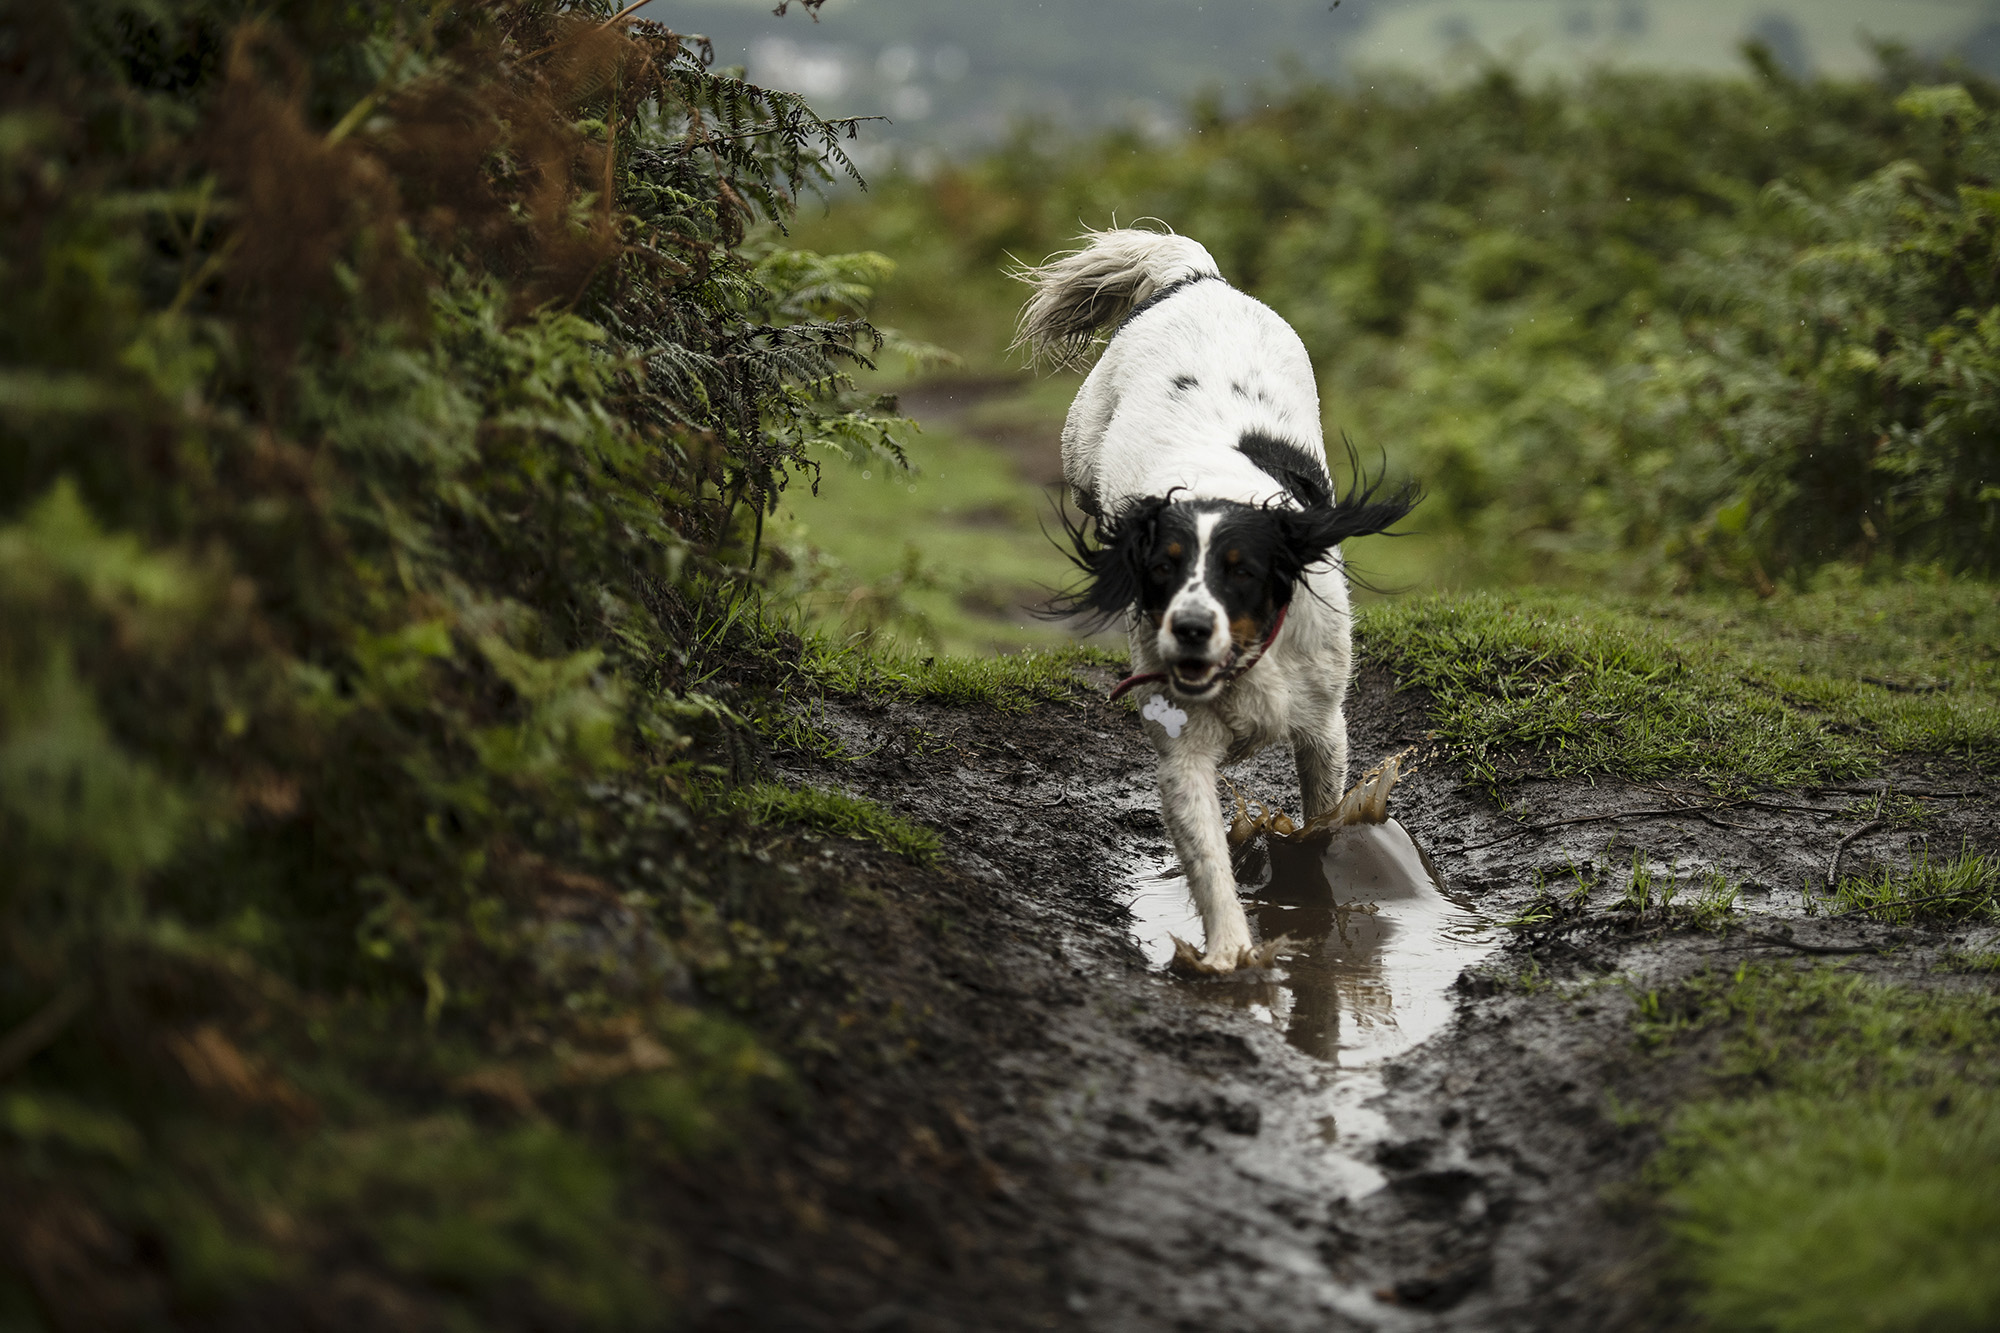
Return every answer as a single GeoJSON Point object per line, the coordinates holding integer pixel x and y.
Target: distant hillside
{"type": "Point", "coordinates": [952, 74]}
{"type": "Point", "coordinates": [956, 71]}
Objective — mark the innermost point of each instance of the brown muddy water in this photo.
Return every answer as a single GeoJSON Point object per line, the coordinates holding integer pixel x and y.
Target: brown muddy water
{"type": "Point", "coordinates": [1374, 945]}
{"type": "Point", "coordinates": [1376, 939]}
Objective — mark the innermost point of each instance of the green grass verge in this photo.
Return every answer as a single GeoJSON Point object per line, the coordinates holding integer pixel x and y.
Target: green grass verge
{"type": "Point", "coordinates": [1010, 681]}
{"type": "Point", "coordinates": [832, 812]}
{"type": "Point", "coordinates": [1799, 688]}
{"type": "Point", "coordinates": [1842, 1176]}
{"type": "Point", "coordinates": [948, 555]}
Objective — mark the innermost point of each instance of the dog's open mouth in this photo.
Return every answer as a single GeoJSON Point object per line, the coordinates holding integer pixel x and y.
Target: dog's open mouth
{"type": "Point", "coordinates": [1194, 676]}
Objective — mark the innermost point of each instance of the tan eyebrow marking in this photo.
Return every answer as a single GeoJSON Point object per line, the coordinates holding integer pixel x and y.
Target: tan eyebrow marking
{"type": "Point", "coordinates": [1231, 557]}
{"type": "Point", "coordinates": [1174, 550]}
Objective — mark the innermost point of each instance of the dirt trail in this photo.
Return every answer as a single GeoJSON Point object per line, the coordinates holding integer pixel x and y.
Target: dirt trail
{"type": "Point", "coordinates": [1406, 1143]}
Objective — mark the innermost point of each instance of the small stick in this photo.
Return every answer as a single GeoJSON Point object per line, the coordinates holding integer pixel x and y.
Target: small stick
{"type": "Point", "coordinates": [42, 1027]}
{"type": "Point", "coordinates": [1686, 812]}
{"type": "Point", "coordinates": [1777, 942]}
{"type": "Point", "coordinates": [1833, 873]}
{"type": "Point", "coordinates": [1909, 791]}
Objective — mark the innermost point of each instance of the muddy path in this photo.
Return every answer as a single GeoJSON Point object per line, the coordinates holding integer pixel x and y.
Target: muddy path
{"type": "Point", "coordinates": [1425, 1121]}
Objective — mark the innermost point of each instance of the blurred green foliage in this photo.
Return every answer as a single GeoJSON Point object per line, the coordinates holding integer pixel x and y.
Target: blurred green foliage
{"type": "Point", "coordinates": [1672, 329]}
{"type": "Point", "coordinates": [375, 381]}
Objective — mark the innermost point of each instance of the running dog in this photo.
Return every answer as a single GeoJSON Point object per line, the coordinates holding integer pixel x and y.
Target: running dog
{"type": "Point", "coordinates": [1194, 449]}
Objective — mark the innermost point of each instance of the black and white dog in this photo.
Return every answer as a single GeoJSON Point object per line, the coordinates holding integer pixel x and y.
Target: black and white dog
{"type": "Point", "coordinates": [1195, 447]}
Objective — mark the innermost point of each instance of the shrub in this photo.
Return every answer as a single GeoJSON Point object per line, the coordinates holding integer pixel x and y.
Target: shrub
{"type": "Point", "coordinates": [373, 379]}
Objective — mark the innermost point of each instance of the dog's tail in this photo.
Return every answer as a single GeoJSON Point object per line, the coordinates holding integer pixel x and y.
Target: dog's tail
{"type": "Point", "coordinates": [1079, 292]}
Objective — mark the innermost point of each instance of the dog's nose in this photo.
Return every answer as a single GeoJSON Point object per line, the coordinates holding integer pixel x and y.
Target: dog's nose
{"type": "Point", "coordinates": [1191, 629]}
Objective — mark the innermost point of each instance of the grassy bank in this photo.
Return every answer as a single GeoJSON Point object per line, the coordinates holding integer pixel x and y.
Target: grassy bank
{"type": "Point", "coordinates": [1732, 690]}
{"type": "Point", "coordinates": [1838, 1175]}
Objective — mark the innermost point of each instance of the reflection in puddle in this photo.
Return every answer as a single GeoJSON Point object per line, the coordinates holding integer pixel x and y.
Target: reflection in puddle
{"type": "Point", "coordinates": [1377, 939]}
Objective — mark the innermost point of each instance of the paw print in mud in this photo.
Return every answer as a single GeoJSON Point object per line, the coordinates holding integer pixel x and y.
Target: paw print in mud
{"type": "Point", "coordinates": [1158, 710]}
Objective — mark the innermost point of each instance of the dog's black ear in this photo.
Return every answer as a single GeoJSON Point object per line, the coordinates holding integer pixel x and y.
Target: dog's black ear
{"type": "Point", "coordinates": [1307, 536]}
{"type": "Point", "coordinates": [1111, 552]}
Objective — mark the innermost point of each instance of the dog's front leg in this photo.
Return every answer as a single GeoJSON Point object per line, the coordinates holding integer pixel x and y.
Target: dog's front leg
{"type": "Point", "coordinates": [1321, 751]}
{"type": "Point", "coordinates": [1187, 798]}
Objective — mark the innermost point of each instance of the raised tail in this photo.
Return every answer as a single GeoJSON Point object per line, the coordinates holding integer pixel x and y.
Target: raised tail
{"type": "Point", "coordinates": [1082, 291]}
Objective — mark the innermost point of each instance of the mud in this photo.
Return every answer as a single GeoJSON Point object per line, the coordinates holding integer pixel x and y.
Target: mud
{"type": "Point", "coordinates": [1390, 1129]}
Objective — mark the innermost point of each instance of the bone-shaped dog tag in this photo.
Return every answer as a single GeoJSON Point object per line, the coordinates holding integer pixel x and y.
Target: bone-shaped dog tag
{"type": "Point", "coordinates": [1169, 718]}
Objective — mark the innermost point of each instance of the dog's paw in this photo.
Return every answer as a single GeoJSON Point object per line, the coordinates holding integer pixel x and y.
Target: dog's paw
{"type": "Point", "coordinates": [1190, 961]}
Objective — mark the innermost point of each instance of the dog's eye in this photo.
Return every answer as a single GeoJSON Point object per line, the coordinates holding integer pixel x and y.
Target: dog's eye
{"type": "Point", "coordinates": [1162, 570]}
{"type": "Point", "coordinates": [1241, 575]}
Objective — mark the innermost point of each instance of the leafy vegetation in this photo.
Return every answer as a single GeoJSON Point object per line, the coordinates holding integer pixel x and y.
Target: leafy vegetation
{"type": "Point", "coordinates": [1849, 1118]}
{"type": "Point", "coordinates": [1678, 330]}
{"type": "Point", "coordinates": [383, 390]}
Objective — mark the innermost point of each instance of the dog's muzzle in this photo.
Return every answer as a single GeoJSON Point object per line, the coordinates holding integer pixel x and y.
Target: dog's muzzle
{"type": "Point", "coordinates": [1199, 679]}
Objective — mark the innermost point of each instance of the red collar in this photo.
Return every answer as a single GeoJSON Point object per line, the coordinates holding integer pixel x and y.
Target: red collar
{"type": "Point", "coordinates": [1250, 659]}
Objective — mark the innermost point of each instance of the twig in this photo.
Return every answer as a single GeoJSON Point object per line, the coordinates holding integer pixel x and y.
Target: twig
{"type": "Point", "coordinates": [1967, 793]}
{"type": "Point", "coordinates": [607, 23]}
{"type": "Point", "coordinates": [42, 1027]}
{"type": "Point", "coordinates": [1779, 942]}
{"type": "Point", "coordinates": [1833, 873]}
{"type": "Point", "coordinates": [1898, 687]}
{"type": "Point", "coordinates": [1679, 812]}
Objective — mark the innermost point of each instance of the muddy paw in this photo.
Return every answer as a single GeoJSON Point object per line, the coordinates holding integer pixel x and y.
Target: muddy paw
{"type": "Point", "coordinates": [1190, 961]}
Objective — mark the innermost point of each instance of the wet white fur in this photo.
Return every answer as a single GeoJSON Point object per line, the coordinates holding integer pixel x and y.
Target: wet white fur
{"type": "Point", "coordinates": [1132, 434]}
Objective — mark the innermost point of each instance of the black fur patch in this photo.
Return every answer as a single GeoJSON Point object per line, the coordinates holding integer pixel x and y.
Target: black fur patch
{"type": "Point", "coordinates": [1182, 383]}
{"type": "Point", "coordinates": [1170, 289]}
{"type": "Point", "coordinates": [1143, 554]}
{"type": "Point", "coordinates": [1292, 466]}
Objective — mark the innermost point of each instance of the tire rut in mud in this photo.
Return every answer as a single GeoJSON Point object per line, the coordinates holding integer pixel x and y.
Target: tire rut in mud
{"type": "Point", "coordinates": [1176, 1162]}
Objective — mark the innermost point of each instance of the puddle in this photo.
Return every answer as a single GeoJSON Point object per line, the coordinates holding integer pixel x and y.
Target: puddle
{"type": "Point", "coordinates": [1377, 938]}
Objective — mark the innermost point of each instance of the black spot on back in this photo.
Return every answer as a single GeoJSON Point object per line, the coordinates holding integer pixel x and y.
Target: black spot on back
{"type": "Point", "coordinates": [1290, 465]}
{"type": "Point", "coordinates": [1182, 383]}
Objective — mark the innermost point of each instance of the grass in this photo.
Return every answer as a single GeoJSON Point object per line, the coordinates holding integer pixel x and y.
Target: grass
{"type": "Point", "coordinates": [1011, 681]}
{"type": "Point", "coordinates": [1704, 900]}
{"type": "Point", "coordinates": [1840, 1176]}
{"type": "Point", "coordinates": [1804, 688]}
{"type": "Point", "coordinates": [1965, 888]}
{"type": "Point", "coordinates": [830, 812]}
{"type": "Point", "coordinates": [1563, 687]}
{"type": "Point", "coordinates": [948, 557]}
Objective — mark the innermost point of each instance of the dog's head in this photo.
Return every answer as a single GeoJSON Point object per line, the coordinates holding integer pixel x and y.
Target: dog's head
{"type": "Point", "coordinates": [1211, 576]}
